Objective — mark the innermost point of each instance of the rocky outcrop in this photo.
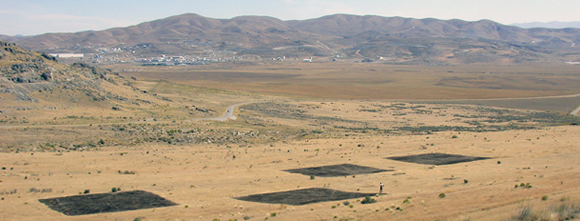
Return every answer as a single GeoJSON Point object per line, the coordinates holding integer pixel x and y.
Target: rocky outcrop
{"type": "Point", "coordinates": [26, 72]}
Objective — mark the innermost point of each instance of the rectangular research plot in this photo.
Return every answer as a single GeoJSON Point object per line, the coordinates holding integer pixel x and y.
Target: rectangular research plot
{"type": "Point", "coordinates": [106, 202]}
{"type": "Point", "coordinates": [437, 158]}
{"type": "Point", "coordinates": [303, 196]}
{"type": "Point", "coordinates": [336, 170]}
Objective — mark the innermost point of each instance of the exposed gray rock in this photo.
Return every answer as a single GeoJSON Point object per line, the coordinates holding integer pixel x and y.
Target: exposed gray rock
{"type": "Point", "coordinates": [47, 76]}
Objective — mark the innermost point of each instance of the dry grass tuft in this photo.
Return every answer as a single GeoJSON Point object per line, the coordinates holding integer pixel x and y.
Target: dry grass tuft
{"type": "Point", "coordinates": [565, 211]}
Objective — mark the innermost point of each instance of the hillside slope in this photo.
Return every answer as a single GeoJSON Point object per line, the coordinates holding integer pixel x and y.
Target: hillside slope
{"type": "Point", "coordinates": [23, 73]}
{"type": "Point", "coordinates": [35, 86]}
{"type": "Point", "coordinates": [438, 41]}
{"type": "Point", "coordinates": [51, 106]}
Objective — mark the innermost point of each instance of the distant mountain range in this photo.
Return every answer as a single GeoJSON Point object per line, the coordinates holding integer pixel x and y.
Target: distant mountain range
{"type": "Point", "coordinates": [553, 24]}
{"type": "Point", "coordinates": [394, 39]}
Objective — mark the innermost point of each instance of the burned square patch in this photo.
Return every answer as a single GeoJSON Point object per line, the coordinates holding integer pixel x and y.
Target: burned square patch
{"type": "Point", "coordinates": [437, 158]}
{"type": "Point", "coordinates": [303, 196]}
{"type": "Point", "coordinates": [106, 202]}
{"type": "Point", "coordinates": [336, 170]}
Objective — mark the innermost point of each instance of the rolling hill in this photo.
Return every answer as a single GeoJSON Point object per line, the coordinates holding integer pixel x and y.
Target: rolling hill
{"type": "Point", "coordinates": [34, 81]}
{"type": "Point", "coordinates": [402, 40]}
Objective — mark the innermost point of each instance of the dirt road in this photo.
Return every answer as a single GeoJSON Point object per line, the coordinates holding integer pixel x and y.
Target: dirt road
{"type": "Point", "coordinates": [228, 115]}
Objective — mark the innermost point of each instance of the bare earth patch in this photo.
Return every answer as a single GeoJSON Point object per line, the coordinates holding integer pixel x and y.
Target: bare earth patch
{"type": "Point", "coordinates": [337, 170]}
{"type": "Point", "coordinates": [437, 159]}
{"type": "Point", "coordinates": [106, 202]}
{"type": "Point", "coordinates": [303, 196]}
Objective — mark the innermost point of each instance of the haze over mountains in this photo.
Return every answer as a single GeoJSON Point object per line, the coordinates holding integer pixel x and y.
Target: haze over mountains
{"type": "Point", "coordinates": [392, 39]}
{"type": "Point", "coordinates": [552, 24]}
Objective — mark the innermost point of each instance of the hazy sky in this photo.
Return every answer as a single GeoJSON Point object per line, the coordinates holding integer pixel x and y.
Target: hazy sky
{"type": "Point", "coordinates": [31, 17]}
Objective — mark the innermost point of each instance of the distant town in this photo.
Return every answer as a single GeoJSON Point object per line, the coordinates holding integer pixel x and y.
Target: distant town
{"type": "Point", "coordinates": [115, 55]}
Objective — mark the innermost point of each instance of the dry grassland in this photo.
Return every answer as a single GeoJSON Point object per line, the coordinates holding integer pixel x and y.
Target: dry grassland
{"type": "Point", "coordinates": [528, 158]}
{"type": "Point", "coordinates": [376, 81]}
{"type": "Point", "coordinates": [205, 179]}
{"type": "Point", "coordinates": [565, 104]}
{"type": "Point", "coordinates": [66, 119]}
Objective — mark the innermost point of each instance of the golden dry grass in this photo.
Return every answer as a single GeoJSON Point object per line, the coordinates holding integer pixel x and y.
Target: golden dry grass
{"type": "Point", "coordinates": [204, 177]}
{"type": "Point", "coordinates": [377, 81]}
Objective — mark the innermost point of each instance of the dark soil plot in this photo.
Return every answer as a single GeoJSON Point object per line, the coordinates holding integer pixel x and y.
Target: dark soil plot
{"type": "Point", "coordinates": [437, 159]}
{"type": "Point", "coordinates": [106, 202]}
{"type": "Point", "coordinates": [303, 196]}
{"type": "Point", "coordinates": [336, 170]}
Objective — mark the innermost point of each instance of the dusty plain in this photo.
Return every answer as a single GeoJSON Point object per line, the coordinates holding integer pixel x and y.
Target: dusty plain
{"type": "Point", "coordinates": [304, 115]}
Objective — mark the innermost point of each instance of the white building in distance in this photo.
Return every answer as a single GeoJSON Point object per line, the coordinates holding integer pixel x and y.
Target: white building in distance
{"type": "Point", "coordinates": [67, 55]}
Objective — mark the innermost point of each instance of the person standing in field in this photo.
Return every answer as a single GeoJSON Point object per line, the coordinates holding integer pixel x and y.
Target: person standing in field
{"type": "Point", "coordinates": [381, 188]}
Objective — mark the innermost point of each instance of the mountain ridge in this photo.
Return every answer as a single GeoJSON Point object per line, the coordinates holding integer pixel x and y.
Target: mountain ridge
{"type": "Point", "coordinates": [259, 35]}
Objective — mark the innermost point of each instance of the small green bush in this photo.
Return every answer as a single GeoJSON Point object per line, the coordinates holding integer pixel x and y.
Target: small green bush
{"type": "Point", "coordinates": [544, 198]}
{"type": "Point", "coordinates": [368, 200]}
{"type": "Point", "coordinates": [442, 195]}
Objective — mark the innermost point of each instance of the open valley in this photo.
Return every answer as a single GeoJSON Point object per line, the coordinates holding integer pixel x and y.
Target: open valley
{"type": "Point", "coordinates": [287, 141]}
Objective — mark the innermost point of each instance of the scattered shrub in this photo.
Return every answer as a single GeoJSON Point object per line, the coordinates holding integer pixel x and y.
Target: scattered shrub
{"type": "Point", "coordinates": [544, 198]}
{"type": "Point", "coordinates": [126, 172]}
{"type": "Point", "coordinates": [442, 195]}
{"type": "Point", "coordinates": [34, 190]}
{"type": "Point", "coordinates": [368, 200]}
